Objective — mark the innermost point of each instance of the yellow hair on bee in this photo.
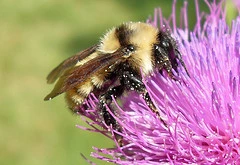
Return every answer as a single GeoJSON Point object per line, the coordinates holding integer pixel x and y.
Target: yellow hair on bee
{"type": "Point", "coordinates": [109, 43]}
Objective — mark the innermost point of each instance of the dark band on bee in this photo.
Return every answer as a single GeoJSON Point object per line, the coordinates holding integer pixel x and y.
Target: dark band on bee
{"type": "Point", "coordinates": [123, 34]}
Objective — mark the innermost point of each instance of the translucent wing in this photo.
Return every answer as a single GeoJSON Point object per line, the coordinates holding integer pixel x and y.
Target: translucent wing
{"type": "Point", "coordinates": [74, 76]}
{"type": "Point", "coordinates": [68, 63]}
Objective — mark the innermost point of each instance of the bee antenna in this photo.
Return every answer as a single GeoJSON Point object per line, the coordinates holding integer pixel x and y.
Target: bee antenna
{"type": "Point", "coordinates": [181, 61]}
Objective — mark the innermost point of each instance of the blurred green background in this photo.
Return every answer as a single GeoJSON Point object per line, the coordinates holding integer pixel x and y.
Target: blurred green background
{"type": "Point", "coordinates": [35, 36]}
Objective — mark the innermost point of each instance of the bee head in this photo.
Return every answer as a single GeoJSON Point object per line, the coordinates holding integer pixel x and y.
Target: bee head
{"type": "Point", "coordinates": [163, 50]}
{"type": "Point", "coordinates": [166, 53]}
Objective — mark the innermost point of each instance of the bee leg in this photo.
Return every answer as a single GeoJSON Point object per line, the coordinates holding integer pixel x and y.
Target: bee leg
{"type": "Point", "coordinates": [133, 82]}
{"type": "Point", "coordinates": [150, 103]}
{"type": "Point", "coordinates": [152, 107]}
{"type": "Point", "coordinates": [106, 99]}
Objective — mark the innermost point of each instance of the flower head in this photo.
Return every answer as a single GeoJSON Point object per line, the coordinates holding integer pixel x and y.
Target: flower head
{"type": "Point", "coordinates": [200, 114]}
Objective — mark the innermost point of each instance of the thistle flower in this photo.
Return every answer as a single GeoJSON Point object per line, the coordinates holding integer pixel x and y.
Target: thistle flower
{"type": "Point", "coordinates": [200, 114]}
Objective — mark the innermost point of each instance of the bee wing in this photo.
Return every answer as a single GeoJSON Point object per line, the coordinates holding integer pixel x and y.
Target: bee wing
{"type": "Point", "coordinates": [74, 76]}
{"type": "Point", "coordinates": [66, 64]}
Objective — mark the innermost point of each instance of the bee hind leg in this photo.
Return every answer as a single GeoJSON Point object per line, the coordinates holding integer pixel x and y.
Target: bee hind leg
{"type": "Point", "coordinates": [106, 99]}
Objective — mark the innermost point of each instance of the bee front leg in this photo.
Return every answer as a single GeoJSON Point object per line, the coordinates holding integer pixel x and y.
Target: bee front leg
{"type": "Point", "coordinates": [133, 82]}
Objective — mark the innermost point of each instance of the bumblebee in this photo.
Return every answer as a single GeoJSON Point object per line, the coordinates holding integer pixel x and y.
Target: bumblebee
{"type": "Point", "coordinates": [115, 65]}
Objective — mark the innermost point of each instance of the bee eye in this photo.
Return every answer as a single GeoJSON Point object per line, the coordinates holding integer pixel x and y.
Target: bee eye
{"type": "Point", "coordinates": [130, 48]}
